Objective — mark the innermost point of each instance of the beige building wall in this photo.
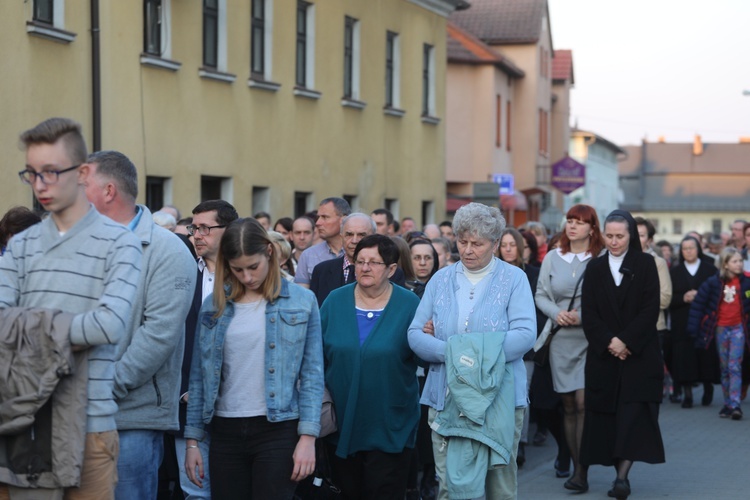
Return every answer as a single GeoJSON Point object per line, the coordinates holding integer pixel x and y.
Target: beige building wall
{"type": "Point", "coordinates": [471, 125]}
{"type": "Point", "coordinates": [673, 226]}
{"type": "Point", "coordinates": [531, 94]}
{"type": "Point", "coordinates": [177, 125]}
{"type": "Point", "coordinates": [560, 121]}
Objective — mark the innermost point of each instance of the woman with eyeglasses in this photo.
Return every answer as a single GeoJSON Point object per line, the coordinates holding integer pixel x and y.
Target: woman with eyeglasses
{"type": "Point", "coordinates": [372, 375]}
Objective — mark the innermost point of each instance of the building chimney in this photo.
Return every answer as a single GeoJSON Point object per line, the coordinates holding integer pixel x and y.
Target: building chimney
{"type": "Point", "coordinates": [744, 140]}
{"type": "Point", "coordinates": [697, 146]}
{"type": "Point", "coordinates": [661, 139]}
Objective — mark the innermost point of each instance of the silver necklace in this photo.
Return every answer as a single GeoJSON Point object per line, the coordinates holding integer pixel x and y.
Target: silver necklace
{"type": "Point", "coordinates": [575, 257]}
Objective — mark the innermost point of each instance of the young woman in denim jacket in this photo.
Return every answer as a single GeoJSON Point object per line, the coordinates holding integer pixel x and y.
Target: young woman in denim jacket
{"type": "Point", "coordinates": [721, 309]}
{"type": "Point", "coordinates": [257, 374]}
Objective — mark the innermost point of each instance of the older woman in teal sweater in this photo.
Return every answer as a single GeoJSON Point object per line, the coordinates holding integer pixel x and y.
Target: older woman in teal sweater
{"type": "Point", "coordinates": [371, 374]}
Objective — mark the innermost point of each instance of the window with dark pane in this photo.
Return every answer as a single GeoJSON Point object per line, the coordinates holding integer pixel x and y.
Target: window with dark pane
{"type": "Point", "coordinates": [257, 51]}
{"type": "Point", "coordinates": [44, 11]}
{"type": "Point", "coordinates": [348, 56]}
{"type": "Point", "coordinates": [301, 61]}
{"type": "Point", "coordinates": [152, 27]}
{"type": "Point", "coordinates": [390, 54]}
{"type": "Point", "coordinates": [210, 33]}
{"type": "Point", "coordinates": [426, 57]}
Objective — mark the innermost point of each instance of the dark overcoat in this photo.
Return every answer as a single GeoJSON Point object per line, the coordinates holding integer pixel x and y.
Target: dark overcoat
{"type": "Point", "coordinates": [629, 313]}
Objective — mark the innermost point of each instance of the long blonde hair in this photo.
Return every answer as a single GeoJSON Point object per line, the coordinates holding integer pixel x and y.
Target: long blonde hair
{"type": "Point", "coordinates": [244, 237]}
{"type": "Point", "coordinates": [723, 259]}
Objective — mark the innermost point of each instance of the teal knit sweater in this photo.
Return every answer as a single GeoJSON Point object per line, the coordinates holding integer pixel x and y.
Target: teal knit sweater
{"type": "Point", "coordinates": [374, 387]}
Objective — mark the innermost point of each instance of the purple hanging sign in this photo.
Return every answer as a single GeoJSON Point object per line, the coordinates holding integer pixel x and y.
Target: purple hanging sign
{"type": "Point", "coordinates": [568, 175]}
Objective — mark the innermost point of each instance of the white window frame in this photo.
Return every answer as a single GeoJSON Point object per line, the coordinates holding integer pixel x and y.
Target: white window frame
{"type": "Point", "coordinates": [220, 73]}
{"type": "Point", "coordinates": [56, 32]}
{"type": "Point", "coordinates": [309, 88]}
{"type": "Point", "coordinates": [431, 115]}
{"type": "Point", "coordinates": [395, 106]}
{"type": "Point", "coordinates": [164, 60]}
{"type": "Point", "coordinates": [354, 100]}
{"type": "Point", "coordinates": [267, 83]}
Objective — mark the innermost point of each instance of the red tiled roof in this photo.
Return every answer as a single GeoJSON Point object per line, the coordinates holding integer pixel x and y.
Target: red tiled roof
{"type": "Point", "coordinates": [562, 65]}
{"type": "Point", "coordinates": [503, 21]}
{"type": "Point", "coordinates": [466, 48]}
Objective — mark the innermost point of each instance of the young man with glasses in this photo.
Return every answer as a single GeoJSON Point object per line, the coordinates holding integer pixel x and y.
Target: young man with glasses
{"type": "Point", "coordinates": [80, 262]}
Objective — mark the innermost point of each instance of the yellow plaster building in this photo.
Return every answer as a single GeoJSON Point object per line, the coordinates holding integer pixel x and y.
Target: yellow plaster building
{"type": "Point", "coordinates": [270, 104]}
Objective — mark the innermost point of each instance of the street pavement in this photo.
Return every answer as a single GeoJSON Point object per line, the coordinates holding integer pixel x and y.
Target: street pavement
{"type": "Point", "coordinates": [707, 457]}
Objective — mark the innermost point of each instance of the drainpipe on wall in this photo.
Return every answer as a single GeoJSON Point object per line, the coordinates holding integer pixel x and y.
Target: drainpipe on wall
{"type": "Point", "coordinates": [96, 80]}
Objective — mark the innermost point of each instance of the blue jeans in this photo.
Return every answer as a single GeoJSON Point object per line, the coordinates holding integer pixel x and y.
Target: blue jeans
{"type": "Point", "coordinates": [191, 491]}
{"type": "Point", "coordinates": [730, 342]}
{"type": "Point", "coordinates": [141, 453]}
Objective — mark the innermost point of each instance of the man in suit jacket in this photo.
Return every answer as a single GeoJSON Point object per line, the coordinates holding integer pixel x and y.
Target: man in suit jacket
{"type": "Point", "coordinates": [332, 274]}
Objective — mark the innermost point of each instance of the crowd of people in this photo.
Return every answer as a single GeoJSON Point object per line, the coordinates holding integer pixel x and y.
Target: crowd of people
{"type": "Point", "coordinates": [190, 357]}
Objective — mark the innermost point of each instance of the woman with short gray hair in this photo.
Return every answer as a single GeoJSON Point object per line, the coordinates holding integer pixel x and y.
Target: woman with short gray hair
{"type": "Point", "coordinates": [479, 220]}
{"type": "Point", "coordinates": [489, 303]}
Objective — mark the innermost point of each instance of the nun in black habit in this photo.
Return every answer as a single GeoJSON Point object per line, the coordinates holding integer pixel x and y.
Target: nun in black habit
{"type": "Point", "coordinates": [624, 366]}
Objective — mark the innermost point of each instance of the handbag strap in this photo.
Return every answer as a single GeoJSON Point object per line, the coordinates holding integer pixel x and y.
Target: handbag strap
{"type": "Point", "coordinates": [556, 328]}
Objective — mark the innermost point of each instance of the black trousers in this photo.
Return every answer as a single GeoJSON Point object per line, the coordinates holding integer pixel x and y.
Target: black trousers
{"type": "Point", "coordinates": [371, 475]}
{"type": "Point", "coordinates": [252, 458]}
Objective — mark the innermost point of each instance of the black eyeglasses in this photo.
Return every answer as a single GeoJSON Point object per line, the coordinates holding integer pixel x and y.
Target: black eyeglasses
{"type": "Point", "coordinates": [30, 176]}
{"type": "Point", "coordinates": [203, 230]}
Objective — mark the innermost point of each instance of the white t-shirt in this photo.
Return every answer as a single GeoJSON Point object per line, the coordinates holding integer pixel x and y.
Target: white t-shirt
{"type": "Point", "coordinates": [242, 390]}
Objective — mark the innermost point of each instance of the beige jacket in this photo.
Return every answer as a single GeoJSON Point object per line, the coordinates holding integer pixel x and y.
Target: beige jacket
{"type": "Point", "coordinates": [42, 400]}
{"type": "Point", "coordinates": [665, 289]}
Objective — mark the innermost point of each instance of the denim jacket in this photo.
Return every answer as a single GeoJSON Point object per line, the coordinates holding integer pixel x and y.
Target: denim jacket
{"type": "Point", "coordinates": [293, 362]}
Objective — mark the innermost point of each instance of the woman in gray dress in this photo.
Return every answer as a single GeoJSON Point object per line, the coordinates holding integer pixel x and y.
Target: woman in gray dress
{"type": "Point", "coordinates": [561, 271]}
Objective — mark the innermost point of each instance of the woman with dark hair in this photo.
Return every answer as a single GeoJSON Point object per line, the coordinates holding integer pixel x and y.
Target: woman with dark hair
{"type": "Point", "coordinates": [690, 364]}
{"type": "Point", "coordinates": [558, 296]}
{"type": "Point", "coordinates": [257, 374]}
{"type": "Point", "coordinates": [404, 259]}
{"type": "Point", "coordinates": [284, 226]}
{"type": "Point", "coordinates": [425, 261]}
{"type": "Point", "coordinates": [372, 375]}
{"type": "Point", "coordinates": [530, 251]}
{"type": "Point", "coordinates": [511, 243]}
{"type": "Point", "coordinates": [554, 241]}
{"type": "Point", "coordinates": [624, 366]}
{"type": "Point", "coordinates": [13, 222]}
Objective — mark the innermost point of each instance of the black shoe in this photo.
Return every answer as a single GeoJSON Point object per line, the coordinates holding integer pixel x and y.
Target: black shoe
{"type": "Point", "coordinates": [429, 487]}
{"type": "Point", "coordinates": [725, 412]}
{"type": "Point", "coordinates": [559, 473]}
{"type": "Point", "coordinates": [708, 394]}
{"type": "Point", "coordinates": [687, 403]}
{"type": "Point", "coordinates": [577, 487]}
{"type": "Point", "coordinates": [736, 414]}
{"type": "Point", "coordinates": [521, 455]}
{"type": "Point", "coordinates": [620, 489]}
{"type": "Point", "coordinates": [675, 398]}
{"type": "Point", "coordinates": [539, 437]}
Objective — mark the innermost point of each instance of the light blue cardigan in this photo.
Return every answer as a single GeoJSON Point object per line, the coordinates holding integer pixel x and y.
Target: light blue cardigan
{"type": "Point", "coordinates": [504, 304]}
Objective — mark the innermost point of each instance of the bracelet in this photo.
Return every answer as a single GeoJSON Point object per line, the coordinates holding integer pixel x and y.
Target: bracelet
{"type": "Point", "coordinates": [192, 446]}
